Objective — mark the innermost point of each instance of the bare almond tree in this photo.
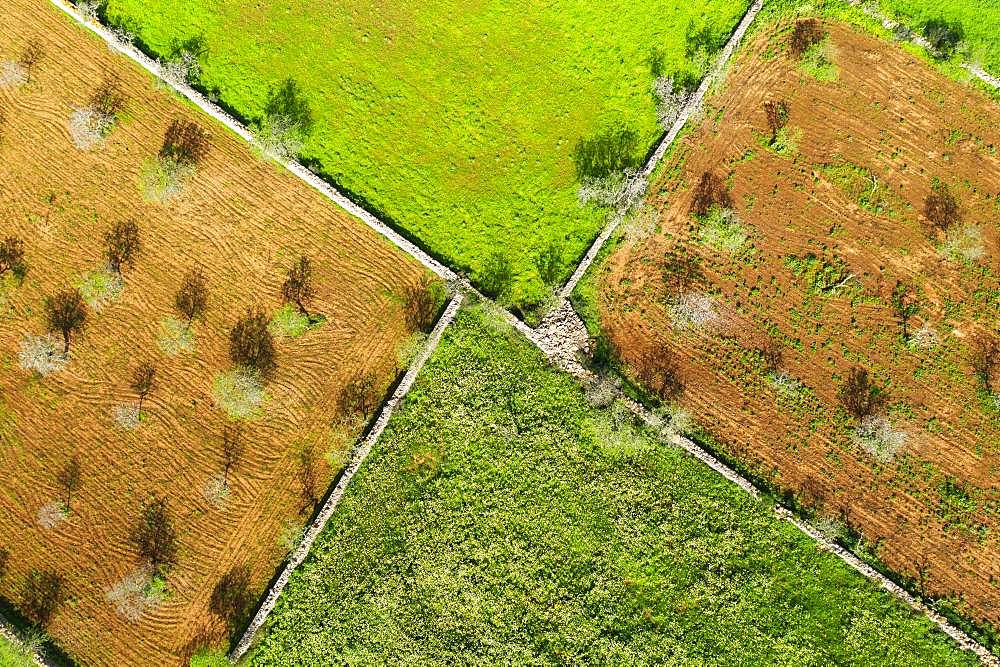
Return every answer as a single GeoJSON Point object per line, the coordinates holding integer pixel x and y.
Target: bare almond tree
{"type": "Point", "coordinates": [122, 244]}
{"type": "Point", "coordinates": [191, 299]}
{"type": "Point", "coordinates": [70, 478]}
{"type": "Point", "coordinates": [233, 448]}
{"type": "Point", "coordinates": [143, 381]}
{"type": "Point", "coordinates": [298, 286]}
{"type": "Point", "coordinates": [66, 312]}
{"type": "Point", "coordinates": [12, 257]}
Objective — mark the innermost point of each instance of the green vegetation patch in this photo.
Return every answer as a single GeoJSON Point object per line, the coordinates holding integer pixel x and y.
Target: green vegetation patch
{"type": "Point", "coordinates": [818, 62]}
{"type": "Point", "coordinates": [500, 520]}
{"type": "Point", "coordinates": [866, 188]}
{"type": "Point", "coordinates": [466, 124]}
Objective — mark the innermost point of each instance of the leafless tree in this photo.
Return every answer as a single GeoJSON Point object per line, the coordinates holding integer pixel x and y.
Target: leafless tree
{"type": "Point", "coordinates": [777, 117]}
{"type": "Point", "coordinates": [69, 478]}
{"type": "Point", "coordinates": [806, 33]}
{"type": "Point", "coordinates": [41, 595]}
{"type": "Point", "coordinates": [710, 191]}
{"type": "Point", "coordinates": [184, 143]}
{"type": "Point", "coordinates": [108, 98]}
{"type": "Point", "coordinates": [298, 286]}
{"type": "Point", "coordinates": [251, 343]}
{"type": "Point", "coordinates": [860, 396]}
{"type": "Point", "coordinates": [941, 207]}
{"type": "Point", "coordinates": [308, 475]}
{"type": "Point", "coordinates": [232, 598]}
{"type": "Point", "coordinates": [233, 448]}
{"type": "Point", "coordinates": [771, 352]}
{"type": "Point", "coordinates": [421, 304]}
{"type": "Point", "coordinates": [985, 359]}
{"type": "Point", "coordinates": [143, 381]}
{"type": "Point", "coordinates": [905, 305]}
{"type": "Point", "coordinates": [12, 257]}
{"type": "Point", "coordinates": [360, 395]}
{"type": "Point", "coordinates": [681, 271]}
{"type": "Point", "coordinates": [66, 312]}
{"type": "Point", "coordinates": [122, 244]}
{"type": "Point", "coordinates": [31, 56]}
{"type": "Point", "coordinates": [154, 536]}
{"type": "Point", "coordinates": [191, 299]}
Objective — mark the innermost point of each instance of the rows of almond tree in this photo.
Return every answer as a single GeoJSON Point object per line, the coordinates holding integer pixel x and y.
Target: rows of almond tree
{"type": "Point", "coordinates": [239, 391]}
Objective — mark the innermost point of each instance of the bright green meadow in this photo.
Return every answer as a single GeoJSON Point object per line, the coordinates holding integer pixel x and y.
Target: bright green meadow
{"type": "Point", "coordinates": [457, 121]}
{"type": "Point", "coordinates": [502, 519]}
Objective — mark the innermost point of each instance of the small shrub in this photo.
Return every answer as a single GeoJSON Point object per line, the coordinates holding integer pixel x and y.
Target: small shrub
{"type": "Point", "coordinates": [784, 384]}
{"type": "Point", "coordinates": [217, 491]}
{"type": "Point", "coordinates": [807, 33]}
{"type": "Point", "coordinates": [286, 123]}
{"type": "Point", "coordinates": [41, 354]}
{"type": "Point", "coordinates": [925, 338]}
{"type": "Point", "coordinates": [121, 245]}
{"type": "Point", "coordinates": [710, 191]}
{"type": "Point", "coordinates": [602, 391]}
{"type": "Point", "coordinates": [100, 288]}
{"type": "Point", "coordinates": [693, 310]}
{"type": "Point", "coordinates": [963, 243]}
{"type": "Point", "coordinates": [153, 535]}
{"type": "Point", "coordinates": [298, 287]}
{"type": "Point", "coordinates": [860, 396]}
{"type": "Point", "coordinates": [876, 436]}
{"type": "Point", "coordinates": [818, 62]}
{"type": "Point", "coordinates": [497, 276]}
{"type": "Point", "coordinates": [723, 231]}
{"type": "Point", "coordinates": [52, 514]}
{"type": "Point", "coordinates": [138, 594]}
{"type": "Point", "coordinates": [127, 416]}
{"type": "Point", "coordinates": [410, 348]}
{"type": "Point", "coordinates": [288, 322]}
{"type": "Point", "coordinates": [89, 10]}
{"type": "Point", "coordinates": [66, 312]}
{"type": "Point", "coordinates": [87, 128]}
{"type": "Point", "coordinates": [41, 594]}
{"type": "Point", "coordinates": [240, 393]}
{"type": "Point", "coordinates": [175, 337]}
{"type": "Point", "coordinates": [943, 35]}
{"type": "Point", "coordinates": [251, 344]}
{"type": "Point", "coordinates": [941, 207]}
{"type": "Point", "coordinates": [291, 537]}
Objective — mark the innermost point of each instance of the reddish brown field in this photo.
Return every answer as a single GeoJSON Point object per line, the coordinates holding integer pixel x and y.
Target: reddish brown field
{"type": "Point", "coordinates": [243, 221]}
{"type": "Point", "coordinates": [933, 511]}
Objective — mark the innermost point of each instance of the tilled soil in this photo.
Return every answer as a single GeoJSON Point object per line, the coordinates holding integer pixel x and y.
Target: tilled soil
{"type": "Point", "coordinates": [931, 512]}
{"type": "Point", "coordinates": [243, 221]}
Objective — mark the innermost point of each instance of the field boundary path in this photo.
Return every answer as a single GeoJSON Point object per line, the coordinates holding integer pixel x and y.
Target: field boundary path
{"type": "Point", "coordinates": [914, 37]}
{"type": "Point", "coordinates": [358, 457]}
{"type": "Point", "coordinates": [559, 337]}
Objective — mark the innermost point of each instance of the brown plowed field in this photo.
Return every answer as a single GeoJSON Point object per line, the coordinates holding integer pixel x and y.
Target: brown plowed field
{"type": "Point", "coordinates": [933, 510]}
{"type": "Point", "coordinates": [243, 221]}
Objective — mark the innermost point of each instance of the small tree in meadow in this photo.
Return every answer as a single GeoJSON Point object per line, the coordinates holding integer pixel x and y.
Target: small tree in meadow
{"type": "Point", "coordinates": [860, 396]}
{"type": "Point", "coordinates": [251, 343]}
{"type": "Point", "coordinates": [121, 245]}
{"type": "Point", "coordinates": [69, 479]}
{"type": "Point", "coordinates": [298, 286]}
{"type": "Point", "coordinates": [143, 381]}
{"type": "Point", "coordinates": [191, 299]}
{"type": "Point", "coordinates": [12, 257]}
{"type": "Point", "coordinates": [153, 534]}
{"type": "Point", "coordinates": [941, 207]}
{"type": "Point", "coordinates": [905, 305]}
{"type": "Point", "coordinates": [66, 312]}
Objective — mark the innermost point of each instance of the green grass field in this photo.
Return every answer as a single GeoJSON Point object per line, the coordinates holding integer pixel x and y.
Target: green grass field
{"type": "Point", "coordinates": [979, 21]}
{"type": "Point", "coordinates": [456, 120]}
{"type": "Point", "coordinates": [12, 655]}
{"type": "Point", "coordinates": [501, 520]}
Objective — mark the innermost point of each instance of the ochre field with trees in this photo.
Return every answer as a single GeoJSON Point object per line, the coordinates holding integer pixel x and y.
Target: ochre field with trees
{"type": "Point", "coordinates": [191, 340]}
{"type": "Point", "coordinates": [814, 280]}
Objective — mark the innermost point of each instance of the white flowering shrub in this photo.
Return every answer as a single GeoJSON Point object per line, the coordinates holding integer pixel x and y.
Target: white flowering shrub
{"type": "Point", "coordinates": [280, 138]}
{"type": "Point", "coordinates": [88, 127]}
{"type": "Point", "coordinates": [670, 101]}
{"type": "Point", "coordinates": [693, 310]}
{"type": "Point", "coordinates": [216, 490]}
{"type": "Point", "coordinates": [963, 243]}
{"type": "Point", "coordinates": [182, 70]}
{"type": "Point", "coordinates": [621, 192]}
{"type": "Point", "coordinates": [127, 415]}
{"type": "Point", "coordinates": [52, 514]}
{"type": "Point", "coordinates": [640, 224]}
{"type": "Point", "coordinates": [291, 536]}
{"type": "Point", "coordinates": [12, 74]}
{"type": "Point", "coordinates": [723, 230]}
{"type": "Point", "coordinates": [88, 10]}
{"type": "Point", "coordinates": [925, 338]}
{"type": "Point", "coordinates": [785, 384]}
{"type": "Point", "coordinates": [163, 178]}
{"type": "Point", "coordinates": [123, 36]}
{"type": "Point", "coordinates": [239, 392]}
{"type": "Point", "coordinates": [137, 594]}
{"type": "Point", "coordinates": [41, 354]}
{"type": "Point", "coordinates": [175, 337]}
{"type": "Point", "coordinates": [602, 391]}
{"type": "Point", "coordinates": [99, 288]}
{"type": "Point", "coordinates": [876, 436]}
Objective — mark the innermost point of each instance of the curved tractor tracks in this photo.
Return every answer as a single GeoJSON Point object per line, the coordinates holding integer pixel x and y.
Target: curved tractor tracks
{"type": "Point", "coordinates": [561, 336]}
